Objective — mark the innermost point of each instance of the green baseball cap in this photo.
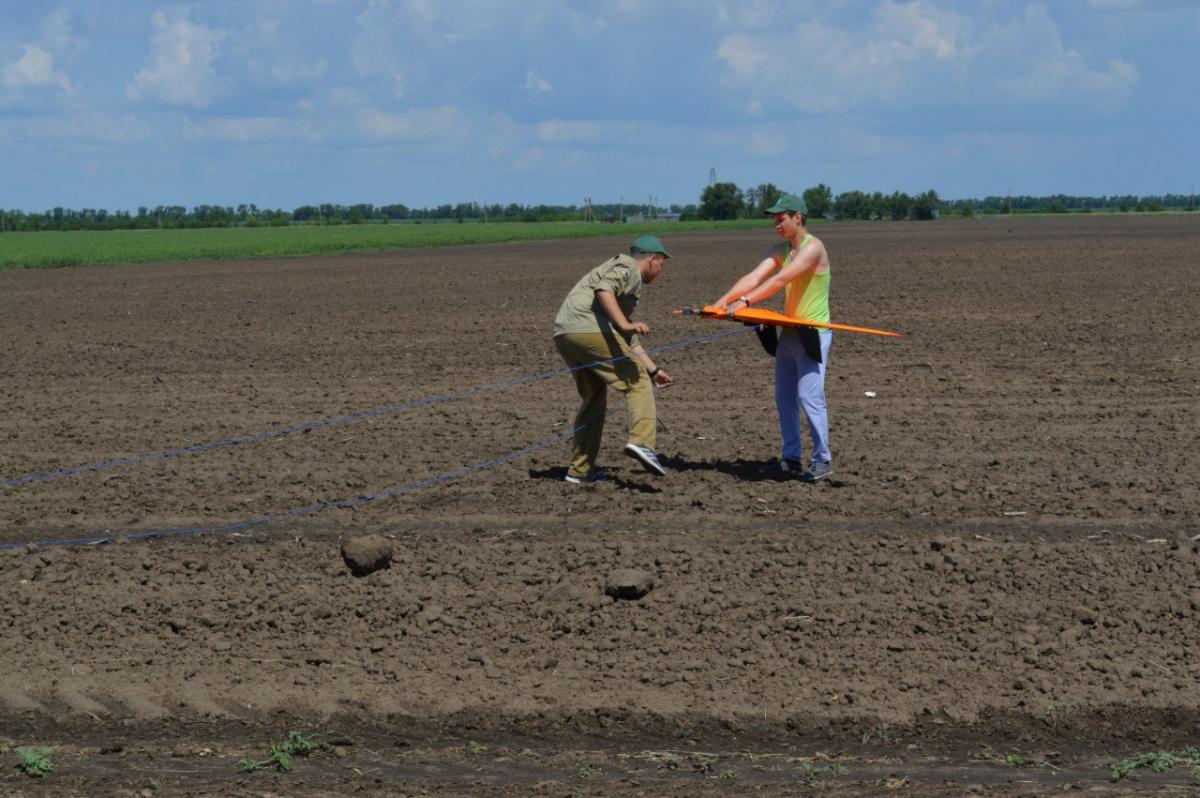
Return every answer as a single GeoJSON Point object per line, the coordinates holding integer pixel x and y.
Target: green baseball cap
{"type": "Point", "coordinates": [650, 245]}
{"type": "Point", "coordinates": [788, 202]}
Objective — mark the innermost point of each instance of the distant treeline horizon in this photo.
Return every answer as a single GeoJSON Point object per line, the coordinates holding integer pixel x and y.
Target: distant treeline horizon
{"type": "Point", "coordinates": [719, 201]}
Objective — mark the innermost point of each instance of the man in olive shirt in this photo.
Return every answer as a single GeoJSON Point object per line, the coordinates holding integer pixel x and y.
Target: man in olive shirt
{"type": "Point", "coordinates": [595, 336]}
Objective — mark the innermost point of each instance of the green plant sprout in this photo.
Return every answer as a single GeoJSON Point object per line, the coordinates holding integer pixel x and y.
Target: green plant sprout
{"type": "Point", "coordinates": [814, 774]}
{"type": "Point", "coordinates": [296, 744]}
{"type": "Point", "coordinates": [35, 763]}
{"type": "Point", "coordinates": [1158, 761]}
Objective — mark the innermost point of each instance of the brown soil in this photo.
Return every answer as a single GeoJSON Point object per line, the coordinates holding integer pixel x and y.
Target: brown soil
{"type": "Point", "coordinates": [1005, 563]}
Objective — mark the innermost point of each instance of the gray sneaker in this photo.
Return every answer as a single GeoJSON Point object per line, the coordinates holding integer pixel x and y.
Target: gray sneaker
{"type": "Point", "coordinates": [646, 456]}
{"type": "Point", "coordinates": [816, 471]}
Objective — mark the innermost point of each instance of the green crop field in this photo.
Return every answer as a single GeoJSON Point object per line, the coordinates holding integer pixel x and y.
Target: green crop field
{"type": "Point", "coordinates": [111, 247]}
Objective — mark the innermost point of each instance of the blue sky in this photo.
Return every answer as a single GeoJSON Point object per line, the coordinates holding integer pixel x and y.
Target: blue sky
{"type": "Point", "coordinates": [291, 102]}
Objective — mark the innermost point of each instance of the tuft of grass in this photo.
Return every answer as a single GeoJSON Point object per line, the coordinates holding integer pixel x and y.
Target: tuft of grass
{"type": "Point", "coordinates": [35, 763]}
{"type": "Point", "coordinates": [815, 774]}
{"type": "Point", "coordinates": [1158, 761]}
{"type": "Point", "coordinates": [296, 744]}
{"type": "Point", "coordinates": [1017, 761]}
{"type": "Point", "coordinates": [476, 747]}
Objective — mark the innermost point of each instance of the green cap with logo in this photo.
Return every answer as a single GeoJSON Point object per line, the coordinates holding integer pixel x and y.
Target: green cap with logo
{"type": "Point", "coordinates": [649, 245]}
{"type": "Point", "coordinates": [788, 202]}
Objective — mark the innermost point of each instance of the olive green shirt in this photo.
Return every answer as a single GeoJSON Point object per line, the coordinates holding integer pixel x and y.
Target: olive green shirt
{"type": "Point", "coordinates": [581, 312]}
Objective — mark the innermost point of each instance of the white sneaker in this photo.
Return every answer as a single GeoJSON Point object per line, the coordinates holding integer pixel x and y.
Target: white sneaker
{"type": "Point", "coordinates": [646, 456]}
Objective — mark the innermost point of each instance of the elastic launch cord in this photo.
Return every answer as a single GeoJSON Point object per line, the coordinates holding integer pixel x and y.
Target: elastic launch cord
{"type": "Point", "coordinates": [310, 509]}
{"type": "Point", "coordinates": [333, 421]}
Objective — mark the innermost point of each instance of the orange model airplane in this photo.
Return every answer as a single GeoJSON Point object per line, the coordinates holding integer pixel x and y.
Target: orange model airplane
{"type": "Point", "coordinates": [770, 317]}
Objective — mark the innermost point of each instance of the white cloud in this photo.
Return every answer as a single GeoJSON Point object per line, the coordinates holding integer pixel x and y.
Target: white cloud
{"type": "Point", "coordinates": [344, 97]}
{"type": "Point", "coordinates": [86, 127]}
{"type": "Point", "coordinates": [180, 71]}
{"type": "Point", "coordinates": [745, 54]}
{"type": "Point", "coordinates": [748, 14]}
{"type": "Point", "coordinates": [910, 30]}
{"type": "Point", "coordinates": [35, 67]}
{"type": "Point", "coordinates": [559, 131]}
{"type": "Point", "coordinates": [239, 129]}
{"type": "Point", "coordinates": [923, 54]}
{"type": "Point", "coordinates": [1111, 88]}
{"type": "Point", "coordinates": [442, 123]}
{"type": "Point", "coordinates": [528, 160]}
{"type": "Point", "coordinates": [768, 143]}
{"type": "Point", "coordinates": [57, 33]}
{"type": "Point", "coordinates": [537, 85]}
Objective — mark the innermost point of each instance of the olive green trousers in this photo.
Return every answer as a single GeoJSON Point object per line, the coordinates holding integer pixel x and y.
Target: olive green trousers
{"type": "Point", "coordinates": [627, 375]}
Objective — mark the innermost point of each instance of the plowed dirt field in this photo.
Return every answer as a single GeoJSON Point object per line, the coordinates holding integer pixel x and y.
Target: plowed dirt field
{"type": "Point", "coordinates": [998, 592]}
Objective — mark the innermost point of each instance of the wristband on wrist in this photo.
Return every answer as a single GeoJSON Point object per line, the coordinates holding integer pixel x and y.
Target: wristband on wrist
{"type": "Point", "coordinates": [654, 372]}
{"type": "Point", "coordinates": [744, 298]}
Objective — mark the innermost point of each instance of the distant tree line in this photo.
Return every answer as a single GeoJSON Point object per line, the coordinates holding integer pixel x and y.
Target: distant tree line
{"type": "Point", "coordinates": [718, 201]}
{"type": "Point", "coordinates": [727, 201]}
{"type": "Point", "coordinates": [250, 215]}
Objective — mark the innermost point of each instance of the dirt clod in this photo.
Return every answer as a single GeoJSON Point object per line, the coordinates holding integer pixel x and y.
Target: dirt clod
{"type": "Point", "coordinates": [367, 554]}
{"type": "Point", "coordinates": [629, 583]}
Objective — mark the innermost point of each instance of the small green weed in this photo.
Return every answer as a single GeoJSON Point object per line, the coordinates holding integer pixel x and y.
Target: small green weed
{"type": "Point", "coordinates": [296, 744]}
{"type": "Point", "coordinates": [35, 763]}
{"type": "Point", "coordinates": [815, 774]}
{"type": "Point", "coordinates": [728, 774]}
{"type": "Point", "coordinates": [703, 762]}
{"type": "Point", "coordinates": [1017, 761]}
{"type": "Point", "coordinates": [476, 747]}
{"type": "Point", "coordinates": [587, 771]}
{"type": "Point", "coordinates": [1158, 761]}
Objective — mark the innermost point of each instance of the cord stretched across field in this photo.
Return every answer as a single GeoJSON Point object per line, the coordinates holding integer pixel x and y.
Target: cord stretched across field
{"type": "Point", "coordinates": [310, 509]}
{"type": "Point", "coordinates": [335, 420]}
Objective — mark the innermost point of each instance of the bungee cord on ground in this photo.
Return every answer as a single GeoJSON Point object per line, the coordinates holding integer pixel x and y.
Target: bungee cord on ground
{"type": "Point", "coordinates": [111, 537]}
{"type": "Point", "coordinates": [334, 420]}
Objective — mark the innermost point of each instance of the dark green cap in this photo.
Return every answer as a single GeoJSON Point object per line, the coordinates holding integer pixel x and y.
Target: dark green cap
{"type": "Point", "coordinates": [650, 245]}
{"type": "Point", "coordinates": [789, 202]}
